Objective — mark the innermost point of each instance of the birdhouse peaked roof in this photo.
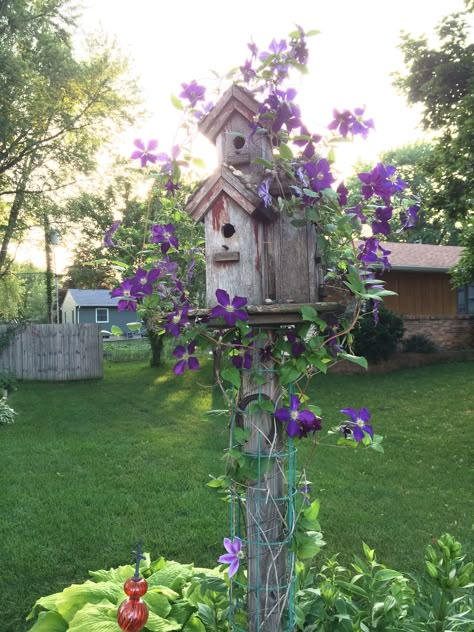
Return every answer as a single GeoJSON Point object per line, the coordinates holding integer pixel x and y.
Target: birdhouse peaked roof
{"type": "Point", "coordinates": [224, 180]}
{"type": "Point", "coordinates": [235, 99]}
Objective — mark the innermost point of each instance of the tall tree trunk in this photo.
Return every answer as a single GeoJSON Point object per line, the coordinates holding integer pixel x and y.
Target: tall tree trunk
{"type": "Point", "coordinates": [13, 217]}
{"type": "Point", "coordinates": [49, 270]}
{"type": "Point", "coordinates": [156, 343]}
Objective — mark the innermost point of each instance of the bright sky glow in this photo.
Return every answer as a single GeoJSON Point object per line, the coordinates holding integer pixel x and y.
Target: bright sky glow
{"type": "Point", "coordinates": [350, 63]}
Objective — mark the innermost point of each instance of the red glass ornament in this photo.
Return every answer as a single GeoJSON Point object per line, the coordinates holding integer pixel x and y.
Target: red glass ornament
{"type": "Point", "coordinates": [132, 613]}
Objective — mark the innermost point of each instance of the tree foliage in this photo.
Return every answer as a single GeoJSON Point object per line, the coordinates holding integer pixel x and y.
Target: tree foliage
{"type": "Point", "coordinates": [56, 109]}
{"type": "Point", "coordinates": [442, 81]}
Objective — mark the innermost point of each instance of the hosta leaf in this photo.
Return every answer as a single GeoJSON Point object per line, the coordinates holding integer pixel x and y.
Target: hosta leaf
{"type": "Point", "coordinates": [156, 623]}
{"type": "Point", "coordinates": [171, 575]}
{"type": "Point", "coordinates": [157, 603]}
{"type": "Point", "coordinates": [49, 622]}
{"type": "Point", "coordinates": [74, 597]}
{"type": "Point", "coordinates": [95, 617]}
{"type": "Point", "coordinates": [194, 625]}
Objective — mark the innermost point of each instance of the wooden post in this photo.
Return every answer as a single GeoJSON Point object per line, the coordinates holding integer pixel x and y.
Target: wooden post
{"type": "Point", "coordinates": [267, 531]}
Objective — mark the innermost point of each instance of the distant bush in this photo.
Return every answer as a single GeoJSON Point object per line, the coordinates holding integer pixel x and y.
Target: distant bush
{"type": "Point", "coordinates": [419, 343]}
{"type": "Point", "coordinates": [7, 414]}
{"type": "Point", "coordinates": [378, 342]}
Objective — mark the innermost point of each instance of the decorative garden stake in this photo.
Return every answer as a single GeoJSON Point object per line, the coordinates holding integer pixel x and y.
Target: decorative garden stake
{"type": "Point", "coordinates": [247, 253]}
{"type": "Point", "coordinates": [132, 613]}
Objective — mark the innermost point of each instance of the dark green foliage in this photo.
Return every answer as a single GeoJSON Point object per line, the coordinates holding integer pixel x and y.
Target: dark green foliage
{"type": "Point", "coordinates": [369, 596]}
{"type": "Point", "coordinates": [7, 381]}
{"type": "Point", "coordinates": [378, 342]}
{"type": "Point", "coordinates": [442, 80]}
{"type": "Point", "coordinates": [419, 344]}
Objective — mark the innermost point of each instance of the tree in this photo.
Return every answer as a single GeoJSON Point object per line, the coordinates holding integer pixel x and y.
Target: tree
{"type": "Point", "coordinates": [442, 81]}
{"type": "Point", "coordinates": [56, 110]}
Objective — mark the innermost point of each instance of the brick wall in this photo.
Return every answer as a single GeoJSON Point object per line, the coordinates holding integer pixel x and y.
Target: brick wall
{"type": "Point", "coordinates": [447, 332]}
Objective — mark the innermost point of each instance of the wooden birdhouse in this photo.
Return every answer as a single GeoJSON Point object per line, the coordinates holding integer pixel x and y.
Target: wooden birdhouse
{"type": "Point", "coordinates": [251, 250]}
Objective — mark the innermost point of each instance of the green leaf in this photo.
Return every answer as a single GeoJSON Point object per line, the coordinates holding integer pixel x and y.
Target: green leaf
{"type": "Point", "coordinates": [206, 614]}
{"type": "Point", "coordinates": [361, 361]}
{"type": "Point", "coordinates": [350, 443]}
{"type": "Point", "coordinates": [49, 622]}
{"type": "Point", "coordinates": [215, 483]}
{"type": "Point", "coordinates": [351, 588]}
{"type": "Point", "coordinates": [194, 625]}
{"type": "Point", "coordinates": [134, 326]}
{"type": "Point", "coordinates": [288, 373]}
{"type": "Point", "coordinates": [177, 103]}
{"type": "Point", "coordinates": [73, 598]}
{"type": "Point", "coordinates": [95, 617]}
{"type": "Point", "coordinates": [310, 193]}
{"type": "Point", "coordinates": [199, 163]}
{"type": "Point", "coordinates": [309, 313]}
{"type": "Point", "coordinates": [308, 544]}
{"type": "Point", "coordinates": [156, 623]}
{"type": "Point", "coordinates": [285, 152]}
{"type": "Point", "coordinates": [262, 161]}
{"type": "Point", "coordinates": [232, 375]}
{"type": "Point", "coordinates": [171, 575]}
{"type": "Point", "coordinates": [116, 331]}
{"type": "Point", "coordinates": [387, 574]}
{"type": "Point", "coordinates": [157, 603]}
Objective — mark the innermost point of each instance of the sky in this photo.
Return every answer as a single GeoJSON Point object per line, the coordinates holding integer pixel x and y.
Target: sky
{"type": "Point", "coordinates": [350, 63]}
{"type": "Point", "coordinates": [351, 60]}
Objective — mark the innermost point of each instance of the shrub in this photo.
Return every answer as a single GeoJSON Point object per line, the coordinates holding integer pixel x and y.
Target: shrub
{"type": "Point", "coordinates": [378, 342]}
{"type": "Point", "coordinates": [7, 381]}
{"type": "Point", "coordinates": [419, 344]}
{"type": "Point", "coordinates": [7, 414]}
{"type": "Point", "coordinates": [367, 597]}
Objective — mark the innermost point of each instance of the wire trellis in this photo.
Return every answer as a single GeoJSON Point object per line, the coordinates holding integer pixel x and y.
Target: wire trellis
{"type": "Point", "coordinates": [262, 511]}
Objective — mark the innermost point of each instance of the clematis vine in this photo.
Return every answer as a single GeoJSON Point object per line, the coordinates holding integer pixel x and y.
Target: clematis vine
{"type": "Point", "coordinates": [186, 358]}
{"type": "Point", "coordinates": [233, 556]}
{"type": "Point", "coordinates": [359, 425]}
{"type": "Point", "coordinates": [230, 311]}
{"type": "Point", "coordinates": [164, 235]}
{"type": "Point", "coordinates": [299, 423]}
{"type": "Point", "coordinates": [108, 241]}
{"type": "Point", "coordinates": [145, 153]}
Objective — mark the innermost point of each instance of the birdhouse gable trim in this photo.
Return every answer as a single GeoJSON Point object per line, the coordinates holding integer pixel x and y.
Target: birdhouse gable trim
{"type": "Point", "coordinates": [223, 181]}
{"type": "Point", "coordinates": [235, 99]}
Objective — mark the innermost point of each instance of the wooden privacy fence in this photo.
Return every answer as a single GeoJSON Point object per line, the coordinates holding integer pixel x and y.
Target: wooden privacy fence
{"type": "Point", "coordinates": [54, 352]}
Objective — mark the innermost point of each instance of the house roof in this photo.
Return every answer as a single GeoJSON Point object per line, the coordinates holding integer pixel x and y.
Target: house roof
{"type": "Point", "coordinates": [93, 298]}
{"type": "Point", "coordinates": [422, 257]}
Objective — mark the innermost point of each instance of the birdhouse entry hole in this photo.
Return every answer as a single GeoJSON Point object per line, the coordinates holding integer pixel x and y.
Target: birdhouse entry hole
{"type": "Point", "coordinates": [239, 142]}
{"type": "Point", "coordinates": [228, 230]}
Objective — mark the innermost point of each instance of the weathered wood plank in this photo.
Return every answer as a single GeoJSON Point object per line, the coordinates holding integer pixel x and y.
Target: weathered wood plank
{"type": "Point", "coordinates": [55, 352]}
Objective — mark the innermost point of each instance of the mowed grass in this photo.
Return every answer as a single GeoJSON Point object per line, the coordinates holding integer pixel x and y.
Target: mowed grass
{"type": "Point", "coordinates": [89, 467]}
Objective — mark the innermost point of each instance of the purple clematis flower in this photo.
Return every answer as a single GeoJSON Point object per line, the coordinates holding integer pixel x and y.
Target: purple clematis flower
{"type": "Point", "coordinates": [356, 211]}
{"type": "Point", "coordinates": [144, 279]}
{"type": "Point", "coordinates": [241, 358]}
{"type": "Point", "coordinates": [230, 312]}
{"type": "Point", "coordinates": [127, 290]}
{"type": "Point", "coordinates": [233, 556]}
{"type": "Point", "coordinates": [108, 242]}
{"type": "Point", "coordinates": [381, 181]}
{"type": "Point", "coordinates": [360, 422]}
{"type": "Point", "coordinates": [193, 92]}
{"type": "Point", "coordinates": [164, 235]}
{"type": "Point", "coordinates": [248, 73]}
{"type": "Point", "coordinates": [382, 217]}
{"type": "Point", "coordinates": [342, 194]}
{"type": "Point", "coordinates": [342, 122]}
{"type": "Point", "coordinates": [186, 358]}
{"type": "Point", "coordinates": [298, 422]}
{"type": "Point", "coordinates": [359, 126]}
{"type": "Point", "coordinates": [408, 219]}
{"type": "Point", "coordinates": [264, 192]}
{"type": "Point", "coordinates": [145, 153]}
{"type": "Point", "coordinates": [319, 174]}
{"type": "Point", "coordinates": [175, 320]}
{"type": "Point", "coordinates": [368, 253]}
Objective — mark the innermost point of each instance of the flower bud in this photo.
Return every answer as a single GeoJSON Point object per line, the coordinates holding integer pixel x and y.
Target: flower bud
{"type": "Point", "coordinates": [432, 570]}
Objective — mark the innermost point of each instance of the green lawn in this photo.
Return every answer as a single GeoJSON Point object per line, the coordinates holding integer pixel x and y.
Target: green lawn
{"type": "Point", "coordinates": [89, 467]}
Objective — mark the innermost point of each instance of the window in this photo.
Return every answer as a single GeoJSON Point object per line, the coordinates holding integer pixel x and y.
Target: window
{"type": "Point", "coordinates": [466, 299]}
{"type": "Point", "coordinates": [101, 315]}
